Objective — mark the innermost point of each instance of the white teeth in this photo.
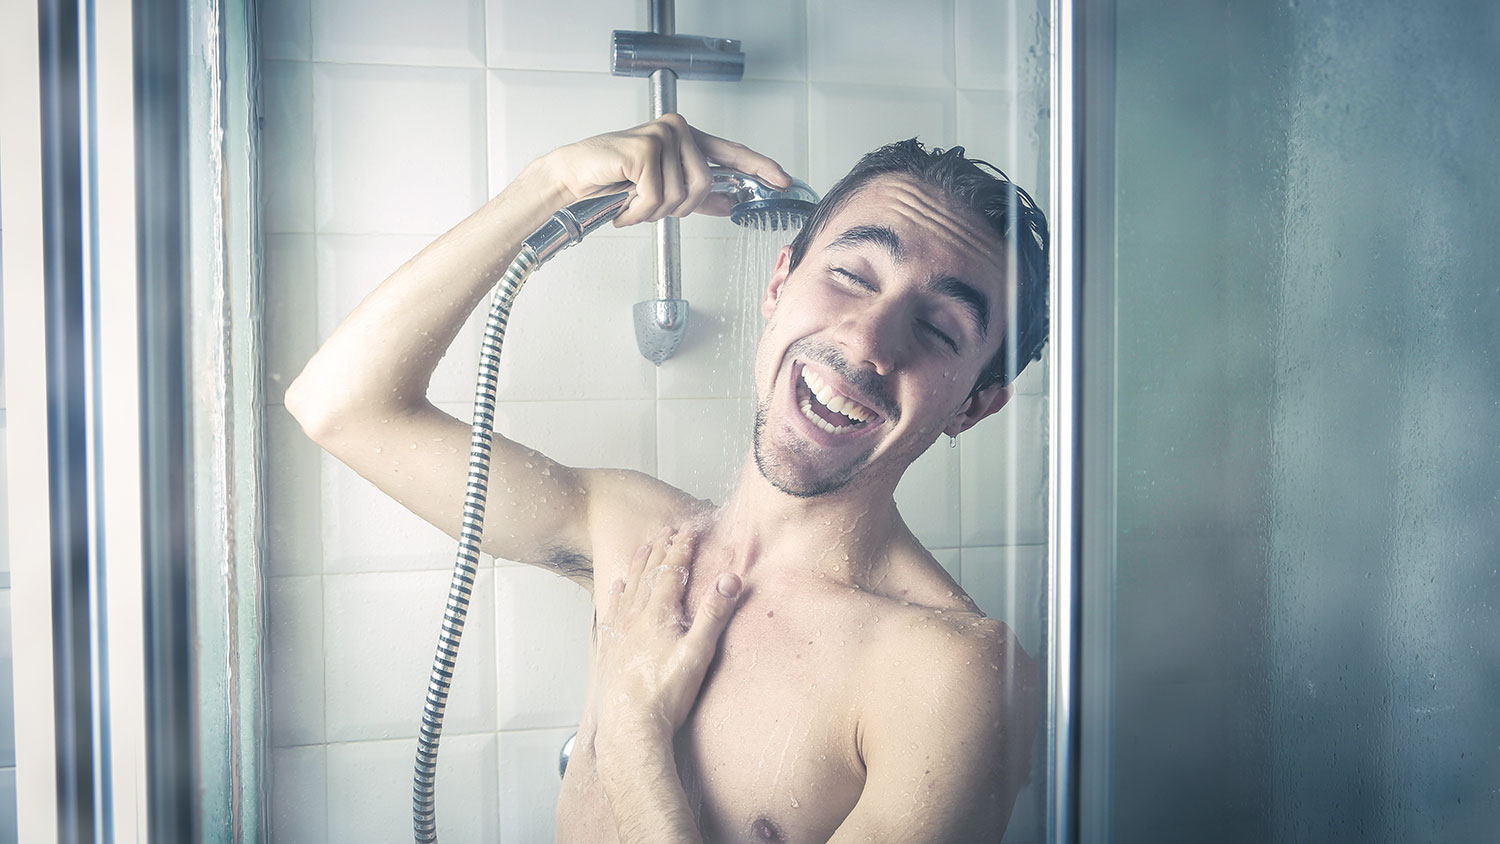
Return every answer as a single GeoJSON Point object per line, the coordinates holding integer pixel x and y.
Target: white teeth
{"type": "Point", "coordinates": [832, 400]}
{"type": "Point", "coordinates": [821, 422]}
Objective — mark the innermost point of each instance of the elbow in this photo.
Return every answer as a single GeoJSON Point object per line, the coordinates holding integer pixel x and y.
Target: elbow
{"type": "Point", "coordinates": [312, 407]}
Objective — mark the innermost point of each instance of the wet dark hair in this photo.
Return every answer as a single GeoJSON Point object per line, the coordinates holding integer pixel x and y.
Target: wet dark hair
{"type": "Point", "coordinates": [984, 189]}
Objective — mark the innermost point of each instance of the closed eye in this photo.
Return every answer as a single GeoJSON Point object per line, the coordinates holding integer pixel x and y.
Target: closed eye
{"type": "Point", "coordinates": [939, 334]}
{"type": "Point", "coordinates": [851, 278]}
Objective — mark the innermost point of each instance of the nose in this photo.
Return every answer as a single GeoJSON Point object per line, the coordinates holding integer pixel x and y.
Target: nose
{"type": "Point", "coordinates": [871, 336]}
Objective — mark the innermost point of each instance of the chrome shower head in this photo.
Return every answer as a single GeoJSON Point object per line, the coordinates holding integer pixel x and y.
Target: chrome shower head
{"type": "Point", "coordinates": [758, 205]}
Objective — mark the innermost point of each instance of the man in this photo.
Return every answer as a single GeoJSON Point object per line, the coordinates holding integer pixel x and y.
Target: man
{"type": "Point", "coordinates": [857, 693]}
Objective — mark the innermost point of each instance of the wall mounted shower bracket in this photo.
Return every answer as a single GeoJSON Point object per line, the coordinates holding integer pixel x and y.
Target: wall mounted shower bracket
{"type": "Point", "coordinates": [664, 56]}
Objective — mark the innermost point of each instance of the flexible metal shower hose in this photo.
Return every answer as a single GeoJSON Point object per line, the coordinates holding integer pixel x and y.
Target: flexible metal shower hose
{"type": "Point", "coordinates": [424, 811]}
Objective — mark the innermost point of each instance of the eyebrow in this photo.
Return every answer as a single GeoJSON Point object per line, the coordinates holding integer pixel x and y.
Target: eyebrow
{"type": "Point", "coordinates": [878, 235]}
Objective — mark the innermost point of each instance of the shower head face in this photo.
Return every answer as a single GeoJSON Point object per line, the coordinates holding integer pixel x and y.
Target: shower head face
{"type": "Point", "coordinates": [757, 205]}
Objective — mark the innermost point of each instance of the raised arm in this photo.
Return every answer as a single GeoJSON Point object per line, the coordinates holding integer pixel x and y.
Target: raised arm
{"type": "Point", "coordinates": [363, 396]}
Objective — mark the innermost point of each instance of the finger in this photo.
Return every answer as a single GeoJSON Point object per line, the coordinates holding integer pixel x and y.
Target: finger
{"type": "Point", "coordinates": [673, 180]}
{"type": "Point", "coordinates": [742, 158]}
{"type": "Point", "coordinates": [648, 185]}
{"type": "Point", "coordinates": [633, 576]}
{"type": "Point", "coordinates": [643, 566]}
{"type": "Point", "coordinates": [709, 622]}
{"type": "Point", "coordinates": [698, 178]}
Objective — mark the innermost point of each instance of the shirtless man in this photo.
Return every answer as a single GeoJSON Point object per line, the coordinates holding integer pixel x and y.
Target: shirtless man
{"type": "Point", "coordinates": [856, 693]}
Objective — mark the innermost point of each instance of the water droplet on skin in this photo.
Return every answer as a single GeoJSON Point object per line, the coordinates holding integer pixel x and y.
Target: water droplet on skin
{"type": "Point", "coordinates": [377, 449]}
{"type": "Point", "coordinates": [413, 446]}
{"type": "Point", "coordinates": [795, 804]}
{"type": "Point", "coordinates": [835, 568]}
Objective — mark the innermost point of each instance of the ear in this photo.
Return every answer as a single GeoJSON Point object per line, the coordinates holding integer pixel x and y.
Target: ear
{"type": "Point", "coordinates": [978, 406]}
{"type": "Point", "coordinates": [778, 278]}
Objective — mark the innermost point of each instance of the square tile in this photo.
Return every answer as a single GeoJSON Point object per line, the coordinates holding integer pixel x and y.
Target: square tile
{"type": "Point", "coordinates": [1002, 45]}
{"type": "Point", "coordinates": [542, 625]}
{"type": "Point", "coordinates": [290, 330]}
{"type": "Point", "coordinates": [298, 809]}
{"type": "Point", "coordinates": [928, 496]}
{"type": "Point", "coordinates": [285, 31]}
{"type": "Point", "coordinates": [294, 660]}
{"type": "Point", "coordinates": [350, 267]}
{"type": "Point", "coordinates": [406, 32]}
{"type": "Point", "coordinates": [572, 333]}
{"type": "Point", "coordinates": [1003, 481]}
{"type": "Point", "coordinates": [585, 434]}
{"type": "Point", "coordinates": [561, 35]}
{"type": "Point", "coordinates": [725, 280]}
{"type": "Point", "coordinates": [576, 106]}
{"type": "Point", "coordinates": [1010, 583]}
{"type": "Point", "coordinates": [397, 149]}
{"type": "Point", "coordinates": [530, 783]}
{"type": "Point", "coordinates": [369, 790]}
{"type": "Point", "coordinates": [293, 497]}
{"type": "Point", "coordinates": [893, 43]}
{"type": "Point", "coordinates": [848, 121]}
{"type": "Point", "coordinates": [772, 33]}
{"type": "Point", "coordinates": [380, 631]}
{"type": "Point", "coordinates": [286, 151]}
{"type": "Point", "coordinates": [702, 444]}
{"type": "Point", "coordinates": [769, 117]}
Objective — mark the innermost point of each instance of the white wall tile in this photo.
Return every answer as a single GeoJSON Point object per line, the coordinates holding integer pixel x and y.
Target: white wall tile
{"type": "Point", "coordinates": [380, 631]}
{"type": "Point", "coordinates": [290, 329]}
{"type": "Point", "coordinates": [1004, 476]}
{"type": "Point", "coordinates": [724, 281]}
{"type": "Point", "coordinates": [293, 497]}
{"type": "Point", "coordinates": [768, 117]}
{"type": "Point", "coordinates": [298, 811]}
{"type": "Point", "coordinates": [413, 32]}
{"type": "Point", "coordinates": [398, 149]}
{"type": "Point", "coordinates": [848, 121]}
{"type": "Point", "coordinates": [1010, 132]}
{"type": "Point", "coordinates": [585, 434]}
{"type": "Point", "coordinates": [928, 496]}
{"type": "Point", "coordinates": [890, 42]}
{"type": "Point", "coordinates": [534, 112]}
{"type": "Point", "coordinates": [1010, 583]}
{"type": "Point", "coordinates": [560, 35]}
{"type": "Point", "coordinates": [571, 334]}
{"type": "Point", "coordinates": [1001, 45]}
{"type": "Point", "coordinates": [285, 32]}
{"type": "Point", "coordinates": [772, 33]}
{"type": "Point", "coordinates": [294, 660]}
{"type": "Point", "coordinates": [286, 157]}
{"type": "Point", "coordinates": [542, 624]}
{"type": "Point", "coordinates": [702, 444]}
{"type": "Point", "coordinates": [529, 784]}
{"type": "Point", "coordinates": [351, 266]}
{"type": "Point", "coordinates": [369, 790]}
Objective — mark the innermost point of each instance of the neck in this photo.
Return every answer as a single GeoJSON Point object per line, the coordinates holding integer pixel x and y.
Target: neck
{"type": "Point", "coordinates": [845, 536]}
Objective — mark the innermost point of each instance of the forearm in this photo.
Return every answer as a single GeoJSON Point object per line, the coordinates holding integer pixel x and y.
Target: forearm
{"type": "Point", "coordinates": [380, 359]}
{"type": "Point", "coordinates": [645, 793]}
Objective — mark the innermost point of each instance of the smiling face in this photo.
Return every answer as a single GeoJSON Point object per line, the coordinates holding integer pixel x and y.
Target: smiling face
{"type": "Point", "coordinates": [874, 341]}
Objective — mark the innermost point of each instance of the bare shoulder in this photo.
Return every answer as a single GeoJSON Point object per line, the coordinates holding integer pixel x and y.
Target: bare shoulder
{"type": "Point", "coordinates": [626, 509]}
{"type": "Point", "coordinates": [976, 663]}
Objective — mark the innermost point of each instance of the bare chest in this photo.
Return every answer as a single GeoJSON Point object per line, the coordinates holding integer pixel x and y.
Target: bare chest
{"type": "Point", "coordinates": [768, 753]}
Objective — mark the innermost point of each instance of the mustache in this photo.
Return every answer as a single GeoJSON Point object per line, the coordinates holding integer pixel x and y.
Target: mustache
{"type": "Point", "coordinates": [872, 386]}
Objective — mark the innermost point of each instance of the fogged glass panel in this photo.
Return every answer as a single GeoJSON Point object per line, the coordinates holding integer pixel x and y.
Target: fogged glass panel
{"type": "Point", "coordinates": [381, 132]}
{"type": "Point", "coordinates": [1307, 471]}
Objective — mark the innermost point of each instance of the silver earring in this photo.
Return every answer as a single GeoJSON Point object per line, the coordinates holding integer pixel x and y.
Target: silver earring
{"type": "Point", "coordinates": [952, 441]}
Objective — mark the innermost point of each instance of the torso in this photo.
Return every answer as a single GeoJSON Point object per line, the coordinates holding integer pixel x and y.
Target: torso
{"type": "Point", "coordinates": [770, 752]}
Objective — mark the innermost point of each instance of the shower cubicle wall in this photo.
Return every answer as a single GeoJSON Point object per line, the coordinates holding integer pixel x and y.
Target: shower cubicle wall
{"type": "Point", "coordinates": [1306, 457]}
{"type": "Point", "coordinates": [385, 125]}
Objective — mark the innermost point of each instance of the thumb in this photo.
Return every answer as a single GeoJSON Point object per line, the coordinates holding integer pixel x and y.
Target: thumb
{"type": "Point", "coordinates": [713, 614]}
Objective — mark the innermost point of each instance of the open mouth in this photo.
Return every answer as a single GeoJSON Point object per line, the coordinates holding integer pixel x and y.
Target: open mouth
{"type": "Point", "coordinates": [830, 410]}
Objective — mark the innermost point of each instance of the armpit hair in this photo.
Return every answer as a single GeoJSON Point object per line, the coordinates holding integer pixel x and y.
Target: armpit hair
{"type": "Point", "coordinates": [568, 562]}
